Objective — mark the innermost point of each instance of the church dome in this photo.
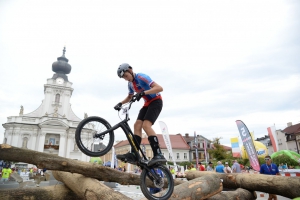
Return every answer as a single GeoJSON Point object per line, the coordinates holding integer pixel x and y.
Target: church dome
{"type": "Point", "coordinates": [61, 66]}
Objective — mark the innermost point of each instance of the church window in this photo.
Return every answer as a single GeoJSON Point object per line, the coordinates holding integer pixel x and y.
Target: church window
{"type": "Point", "coordinates": [24, 143]}
{"type": "Point", "coordinates": [57, 98]}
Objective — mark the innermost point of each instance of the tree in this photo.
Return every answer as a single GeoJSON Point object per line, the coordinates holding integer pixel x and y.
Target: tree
{"type": "Point", "coordinates": [284, 159]}
{"type": "Point", "coordinates": [218, 152]}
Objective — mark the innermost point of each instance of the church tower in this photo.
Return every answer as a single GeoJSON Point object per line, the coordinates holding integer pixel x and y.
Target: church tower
{"type": "Point", "coordinates": [51, 127]}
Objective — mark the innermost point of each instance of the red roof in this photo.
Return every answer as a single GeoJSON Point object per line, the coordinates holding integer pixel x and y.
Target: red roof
{"type": "Point", "coordinates": [294, 129]}
{"type": "Point", "coordinates": [177, 142]}
{"type": "Point", "coordinates": [226, 148]}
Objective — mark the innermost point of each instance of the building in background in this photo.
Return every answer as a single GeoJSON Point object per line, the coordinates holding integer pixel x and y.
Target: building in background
{"type": "Point", "coordinates": [288, 139]}
{"type": "Point", "coordinates": [51, 127]}
{"type": "Point", "coordinates": [179, 147]}
{"type": "Point", "coordinates": [292, 135]}
{"type": "Point", "coordinates": [202, 144]}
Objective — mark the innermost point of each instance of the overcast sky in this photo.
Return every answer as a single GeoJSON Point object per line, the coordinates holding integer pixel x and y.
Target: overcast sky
{"type": "Point", "coordinates": [218, 61]}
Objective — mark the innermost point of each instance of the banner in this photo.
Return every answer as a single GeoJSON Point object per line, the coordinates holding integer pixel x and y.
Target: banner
{"type": "Point", "coordinates": [236, 152]}
{"type": "Point", "coordinates": [248, 144]}
{"type": "Point", "coordinates": [196, 149]}
{"type": "Point", "coordinates": [112, 162]}
{"type": "Point", "coordinates": [273, 137]}
{"type": "Point", "coordinates": [205, 151]}
{"type": "Point", "coordinates": [165, 134]}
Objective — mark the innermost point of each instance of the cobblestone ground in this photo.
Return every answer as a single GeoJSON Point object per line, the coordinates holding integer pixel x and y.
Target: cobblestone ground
{"type": "Point", "coordinates": [131, 191]}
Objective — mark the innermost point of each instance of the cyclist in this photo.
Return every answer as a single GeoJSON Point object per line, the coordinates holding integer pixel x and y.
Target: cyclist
{"type": "Point", "coordinates": [149, 90]}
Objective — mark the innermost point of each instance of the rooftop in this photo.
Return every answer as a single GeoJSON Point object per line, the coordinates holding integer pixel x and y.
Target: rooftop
{"type": "Point", "coordinates": [293, 129]}
{"type": "Point", "coordinates": [177, 142]}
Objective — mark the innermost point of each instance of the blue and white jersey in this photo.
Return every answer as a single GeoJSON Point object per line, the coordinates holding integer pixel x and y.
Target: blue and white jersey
{"type": "Point", "coordinates": [141, 83]}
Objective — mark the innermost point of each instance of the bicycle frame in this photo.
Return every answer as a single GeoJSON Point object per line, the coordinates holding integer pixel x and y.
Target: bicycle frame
{"type": "Point", "coordinates": [142, 161]}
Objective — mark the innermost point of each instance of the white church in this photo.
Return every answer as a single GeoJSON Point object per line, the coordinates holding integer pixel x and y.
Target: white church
{"type": "Point", "coordinates": [51, 127]}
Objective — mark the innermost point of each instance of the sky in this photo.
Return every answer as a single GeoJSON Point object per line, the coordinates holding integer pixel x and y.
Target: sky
{"type": "Point", "coordinates": [217, 61]}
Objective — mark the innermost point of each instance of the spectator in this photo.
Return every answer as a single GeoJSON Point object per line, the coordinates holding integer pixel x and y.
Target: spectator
{"type": "Point", "coordinates": [188, 169]}
{"type": "Point", "coordinates": [284, 166]}
{"type": "Point", "coordinates": [220, 167]}
{"type": "Point", "coordinates": [269, 169]}
{"type": "Point", "coordinates": [236, 168]}
{"type": "Point", "coordinates": [248, 169]}
{"type": "Point", "coordinates": [201, 167]}
{"type": "Point", "coordinates": [5, 174]}
{"type": "Point", "coordinates": [172, 170]}
{"type": "Point", "coordinates": [210, 167]}
{"type": "Point", "coordinates": [192, 167]}
{"type": "Point", "coordinates": [227, 169]}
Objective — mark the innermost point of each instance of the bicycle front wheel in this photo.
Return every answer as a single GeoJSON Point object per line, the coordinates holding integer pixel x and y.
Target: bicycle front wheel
{"type": "Point", "coordinates": [86, 140]}
{"type": "Point", "coordinates": [158, 190]}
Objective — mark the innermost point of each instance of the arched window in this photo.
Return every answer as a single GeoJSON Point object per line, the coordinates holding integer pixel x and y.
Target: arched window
{"type": "Point", "coordinates": [24, 143]}
{"type": "Point", "coordinates": [57, 98]}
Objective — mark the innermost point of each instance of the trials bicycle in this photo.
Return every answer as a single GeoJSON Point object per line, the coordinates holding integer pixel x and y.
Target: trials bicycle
{"type": "Point", "coordinates": [95, 137]}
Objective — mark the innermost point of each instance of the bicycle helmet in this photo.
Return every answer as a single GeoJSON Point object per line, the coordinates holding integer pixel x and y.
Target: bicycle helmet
{"type": "Point", "coordinates": [123, 68]}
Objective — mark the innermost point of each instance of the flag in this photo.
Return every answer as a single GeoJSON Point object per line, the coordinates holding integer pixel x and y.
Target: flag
{"type": "Point", "coordinates": [236, 152]}
{"type": "Point", "coordinates": [205, 151]}
{"type": "Point", "coordinates": [273, 137]}
{"type": "Point", "coordinates": [165, 134]}
{"type": "Point", "coordinates": [196, 149]}
{"type": "Point", "coordinates": [248, 144]}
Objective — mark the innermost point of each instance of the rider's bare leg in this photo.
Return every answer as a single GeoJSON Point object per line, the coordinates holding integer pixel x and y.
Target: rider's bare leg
{"type": "Point", "coordinates": [138, 127]}
{"type": "Point", "coordinates": [147, 126]}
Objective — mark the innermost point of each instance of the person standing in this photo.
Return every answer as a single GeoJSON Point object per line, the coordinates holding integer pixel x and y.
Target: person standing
{"type": "Point", "coordinates": [227, 169]}
{"type": "Point", "coordinates": [201, 167]}
{"type": "Point", "coordinates": [145, 88]}
{"type": "Point", "coordinates": [236, 168]}
{"type": "Point", "coordinates": [192, 167]}
{"type": "Point", "coordinates": [210, 167]}
{"type": "Point", "coordinates": [220, 167]}
{"type": "Point", "coordinates": [6, 171]}
{"type": "Point", "coordinates": [269, 169]}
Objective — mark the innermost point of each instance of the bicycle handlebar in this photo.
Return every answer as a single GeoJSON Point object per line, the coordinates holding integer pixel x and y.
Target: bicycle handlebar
{"type": "Point", "coordinates": [133, 99]}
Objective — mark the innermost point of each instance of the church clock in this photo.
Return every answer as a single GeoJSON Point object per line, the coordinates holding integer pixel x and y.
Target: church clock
{"type": "Point", "coordinates": [60, 80]}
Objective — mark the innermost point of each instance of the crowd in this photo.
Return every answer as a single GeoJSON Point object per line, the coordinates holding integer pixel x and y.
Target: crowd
{"type": "Point", "coordinates": [219, 168]}
{"type": "Point", "coordinates": [268, 168]}
{"type": "Point", "coordinates": [6, 170]}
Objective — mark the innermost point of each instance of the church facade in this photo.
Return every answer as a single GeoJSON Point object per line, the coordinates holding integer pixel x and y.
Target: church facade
{"type": "Point", "coordinates": [51, 127]}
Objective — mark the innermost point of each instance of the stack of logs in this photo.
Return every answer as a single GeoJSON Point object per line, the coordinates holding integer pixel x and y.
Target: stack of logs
{"type": "Point", "coordinates": [82, 181]}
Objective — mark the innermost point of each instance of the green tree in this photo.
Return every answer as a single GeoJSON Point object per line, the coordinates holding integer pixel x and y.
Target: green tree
{"type": "Point", "coordinates": [218, 152]}
{"type": "Point", "coordinates": [285, 159]}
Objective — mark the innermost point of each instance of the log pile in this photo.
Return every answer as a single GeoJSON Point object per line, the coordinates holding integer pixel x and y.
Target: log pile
{"type": "Point", "coordinates": [82, 181]}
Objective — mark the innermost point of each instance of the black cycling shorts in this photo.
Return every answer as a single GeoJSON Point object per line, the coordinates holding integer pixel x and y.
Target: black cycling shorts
{"type": "Point", "coordinates": [151, 112]}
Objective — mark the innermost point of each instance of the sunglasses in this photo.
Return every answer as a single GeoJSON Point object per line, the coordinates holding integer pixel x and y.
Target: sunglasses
{"type": "Point", "coordinates": [266, 159]}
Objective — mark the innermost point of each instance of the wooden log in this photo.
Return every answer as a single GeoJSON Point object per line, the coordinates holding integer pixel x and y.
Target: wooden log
{"type": "Point", "coordinates": [198, 188]}
{"type": "Point", "coordinates": [54, 162]}
{"type": "Point", "coordinates": [57, 192]}
{"type": "Point", "coordinates": [281, 185]}
{"type": "Point", "coordinates": [88, 188]}
{"type": "Point", "coordinates": [233, 195]}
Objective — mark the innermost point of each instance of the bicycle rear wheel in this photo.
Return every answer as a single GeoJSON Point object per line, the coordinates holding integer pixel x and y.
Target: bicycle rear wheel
{"type": "Point", "coordinates": [86, 140]}
{"type": "Point", "coordinates": [163, 188]}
